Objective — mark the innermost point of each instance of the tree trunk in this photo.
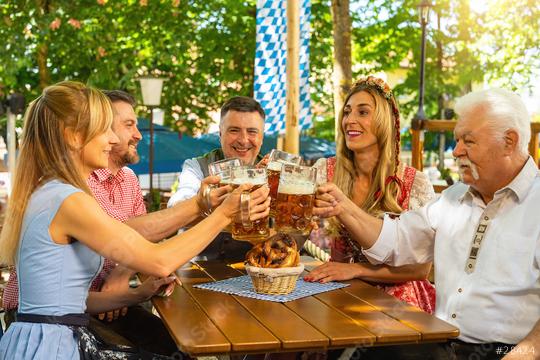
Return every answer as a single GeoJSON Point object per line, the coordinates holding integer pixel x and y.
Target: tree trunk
{"type": "Point", "coordinates": [44, 77]}
{"type": "Point", "coordinates": [44, 7]}
{"type": "Point", "coordinates": [342, 76]}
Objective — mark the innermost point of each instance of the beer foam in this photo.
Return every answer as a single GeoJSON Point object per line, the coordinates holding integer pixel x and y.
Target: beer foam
{"type": "Point", "coordinates": [296, 188]}
{"type": "Point", "coordinates": [276, 165]}
{"type": "Point", "coordinates": [247, 180]}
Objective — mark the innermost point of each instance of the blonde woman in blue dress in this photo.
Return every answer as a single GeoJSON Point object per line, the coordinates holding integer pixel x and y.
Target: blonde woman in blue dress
{"type": "Point", "coordinates": [55, 231]}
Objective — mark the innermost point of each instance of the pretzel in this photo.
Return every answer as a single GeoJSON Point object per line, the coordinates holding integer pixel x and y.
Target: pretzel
{"type": "Point", "coordinates": [290, 259]}
{"type": "Point", "coordinates": [278, 251]}
{"type": "Point", "coordinates": [254, 255]}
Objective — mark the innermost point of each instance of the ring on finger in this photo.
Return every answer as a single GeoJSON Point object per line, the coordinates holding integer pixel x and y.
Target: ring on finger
{"type": "Point", "coordinates": [206, 199]}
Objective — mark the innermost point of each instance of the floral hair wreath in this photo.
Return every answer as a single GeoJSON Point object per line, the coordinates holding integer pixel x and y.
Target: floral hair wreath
{"type": "Point", "coordinates": [379, 85]}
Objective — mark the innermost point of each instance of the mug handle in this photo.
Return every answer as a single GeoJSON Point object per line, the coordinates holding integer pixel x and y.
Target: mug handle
{"type": "Point", "coordinates": [245, 198]}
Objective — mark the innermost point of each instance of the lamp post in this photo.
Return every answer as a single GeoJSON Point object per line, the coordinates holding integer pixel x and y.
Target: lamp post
{"type": "Point", "coordinates": [151, 94]}
{"type": "Point", "coordinates": [418, 119]}
{"type": "Point", "coordinates": [420, 116]}
{"type": "Point", "coordinates": [13, 106]}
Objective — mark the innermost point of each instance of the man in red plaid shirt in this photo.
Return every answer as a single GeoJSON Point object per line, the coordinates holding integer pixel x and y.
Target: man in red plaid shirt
{"type": "Point", "coordinates": [118, 192]}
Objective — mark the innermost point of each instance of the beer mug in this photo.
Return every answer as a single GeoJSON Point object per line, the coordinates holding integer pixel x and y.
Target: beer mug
{"type": "Point", "coordinates": [275, 161]}
{"type": "Point", "coordinates": [295, 199]}
{"type": "Point", "coordinates": [244, 229]}
{"type": "Point", "coordinates": [222, 168]}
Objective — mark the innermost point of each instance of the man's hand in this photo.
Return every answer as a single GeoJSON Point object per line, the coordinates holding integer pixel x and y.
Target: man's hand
{"type": "Point", "coordinates": [113, 315]}
{"type": "Point", "coordinates": [155, 286]}
{"type": "Point", "coordinates": [116, 281]}
{"type": "Point", "coordinates": [210, 194]}
{"type": "Point", "coordinates": [332, 271]}
{"type": "Point", "coordinates": [150, 287]}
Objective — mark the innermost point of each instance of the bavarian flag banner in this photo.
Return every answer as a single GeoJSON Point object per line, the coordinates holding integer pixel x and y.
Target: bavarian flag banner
{"type": "Point", "coordinates": [271, 63]}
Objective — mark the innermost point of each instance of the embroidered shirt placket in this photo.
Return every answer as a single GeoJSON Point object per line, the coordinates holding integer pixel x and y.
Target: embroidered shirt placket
{"type": "Point", "coordinates": [487, 215]}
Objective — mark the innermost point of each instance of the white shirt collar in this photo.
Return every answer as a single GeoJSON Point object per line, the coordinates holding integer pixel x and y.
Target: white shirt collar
{"type": "Point", "coordinates": [519, 186]}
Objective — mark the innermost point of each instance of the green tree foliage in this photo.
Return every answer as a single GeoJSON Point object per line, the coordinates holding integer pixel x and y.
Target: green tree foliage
{"type": "Point", "coordinates": [204, 48]}
{"type": "Point", "coordinates": [497, 43]}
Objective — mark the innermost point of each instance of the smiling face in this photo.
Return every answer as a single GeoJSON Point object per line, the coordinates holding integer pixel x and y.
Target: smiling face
{"type": "Point", "coordinates": [95, 154]}
{"type": "Point", "coordinates": [357, 122]}
{"type": "Point", "coordinates": [479, 150]}
{"type": "Point", "coordinates": [241, 135]}
{"type": "Point", "coordinates": [125, 127]}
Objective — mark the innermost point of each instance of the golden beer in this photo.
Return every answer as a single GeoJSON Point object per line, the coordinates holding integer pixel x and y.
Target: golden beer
{"type": "Point", "coordinates": [294, 208]}
{"type": "Point", "coordinates": [295, 199]}
{"type": "Point", "coordinates": [257, 230]}
{"type": "Point", "coordinates": [275, 162]}
{"type": "Point", "coordinates": [273, 170]}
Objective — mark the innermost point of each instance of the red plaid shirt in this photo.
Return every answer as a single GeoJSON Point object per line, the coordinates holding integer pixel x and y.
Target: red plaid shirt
{"type": "Point", "coordinates": [120, 196]}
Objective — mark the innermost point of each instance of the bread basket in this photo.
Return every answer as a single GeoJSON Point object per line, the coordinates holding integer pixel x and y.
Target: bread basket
{"type": "Point", "coordinates": [275, 281]}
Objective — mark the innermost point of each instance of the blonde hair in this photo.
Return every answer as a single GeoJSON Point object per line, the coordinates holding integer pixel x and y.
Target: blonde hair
{"type": "Point", "coordinates": [382, 197]}
{"type": "Point", "coordinates": [44, 153]}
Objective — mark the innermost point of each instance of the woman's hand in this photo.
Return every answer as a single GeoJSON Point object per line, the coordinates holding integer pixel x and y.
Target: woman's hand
{"type": "Point", "coordinates": [259, 202]}
{"type": "Point", "coordinates": [333, 271]}
{"type": "Point", "coordinates": [329, 201]}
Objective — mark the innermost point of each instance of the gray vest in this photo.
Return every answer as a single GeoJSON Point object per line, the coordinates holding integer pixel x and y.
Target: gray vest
{"type": "Point", "coordinates": [208, 158]}
{"type": "Point", "coordinates": [223, 247]}
{"type": "Point", "coordinates": [212, 156]}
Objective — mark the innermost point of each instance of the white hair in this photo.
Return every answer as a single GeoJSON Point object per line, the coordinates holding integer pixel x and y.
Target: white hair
{"type": "Point", "coordinates": [502, 109]}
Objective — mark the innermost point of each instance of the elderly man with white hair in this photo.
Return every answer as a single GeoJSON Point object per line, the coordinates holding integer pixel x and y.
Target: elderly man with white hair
{"type": "Point", "coordinates": [483, 234]}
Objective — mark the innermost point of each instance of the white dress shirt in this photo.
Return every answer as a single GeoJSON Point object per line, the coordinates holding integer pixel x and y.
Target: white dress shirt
{"type": "Point", "coordinates": [189, 182]}
{"type": "Point", "coordinates": [499, 301]}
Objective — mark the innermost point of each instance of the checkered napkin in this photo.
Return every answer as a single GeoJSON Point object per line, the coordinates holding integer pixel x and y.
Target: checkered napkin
{"type": "Point", "coordinates": [242, 286]}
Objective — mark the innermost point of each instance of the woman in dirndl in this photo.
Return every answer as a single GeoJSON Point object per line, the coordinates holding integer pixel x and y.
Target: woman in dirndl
{"type": "Point", "coordinates": [368, 170]}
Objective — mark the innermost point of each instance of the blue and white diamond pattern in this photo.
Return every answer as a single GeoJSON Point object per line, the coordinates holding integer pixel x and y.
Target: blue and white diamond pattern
{"type": "Point", "coordinates": [271, 63]}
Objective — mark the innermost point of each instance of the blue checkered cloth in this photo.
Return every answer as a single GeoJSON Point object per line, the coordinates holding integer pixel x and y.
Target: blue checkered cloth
{"type": "Point", "coordinates": [243, 286]}
{"type": "Point", "coordinates": [271, 63]}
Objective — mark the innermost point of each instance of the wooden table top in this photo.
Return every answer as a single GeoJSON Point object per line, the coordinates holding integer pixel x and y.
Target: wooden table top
{"type": "Point", "coordinates": [204, 322]}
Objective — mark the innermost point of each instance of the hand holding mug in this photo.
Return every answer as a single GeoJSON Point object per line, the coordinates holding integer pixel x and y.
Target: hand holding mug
{"type": "Point", "coordinates": [329, 201]}
{"type": "Point", "coordinates": [259, 203]}
{"type": "Point", "coordinates": [211, 194]}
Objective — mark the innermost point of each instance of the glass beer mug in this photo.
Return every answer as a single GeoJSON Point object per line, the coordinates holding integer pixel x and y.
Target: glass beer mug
{"type": "Point", "coordinates": [222, 168]}
{"type": "Point", "coordinates": [275, 162]}
{"type": "Point", "coordinates": [244, 229]}
{"type": "Point", "coordinates": [295, 199]}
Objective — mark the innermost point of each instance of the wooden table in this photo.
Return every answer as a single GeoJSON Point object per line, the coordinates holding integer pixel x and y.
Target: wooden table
{"type": "Point", "coordinates": [204, 322]}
